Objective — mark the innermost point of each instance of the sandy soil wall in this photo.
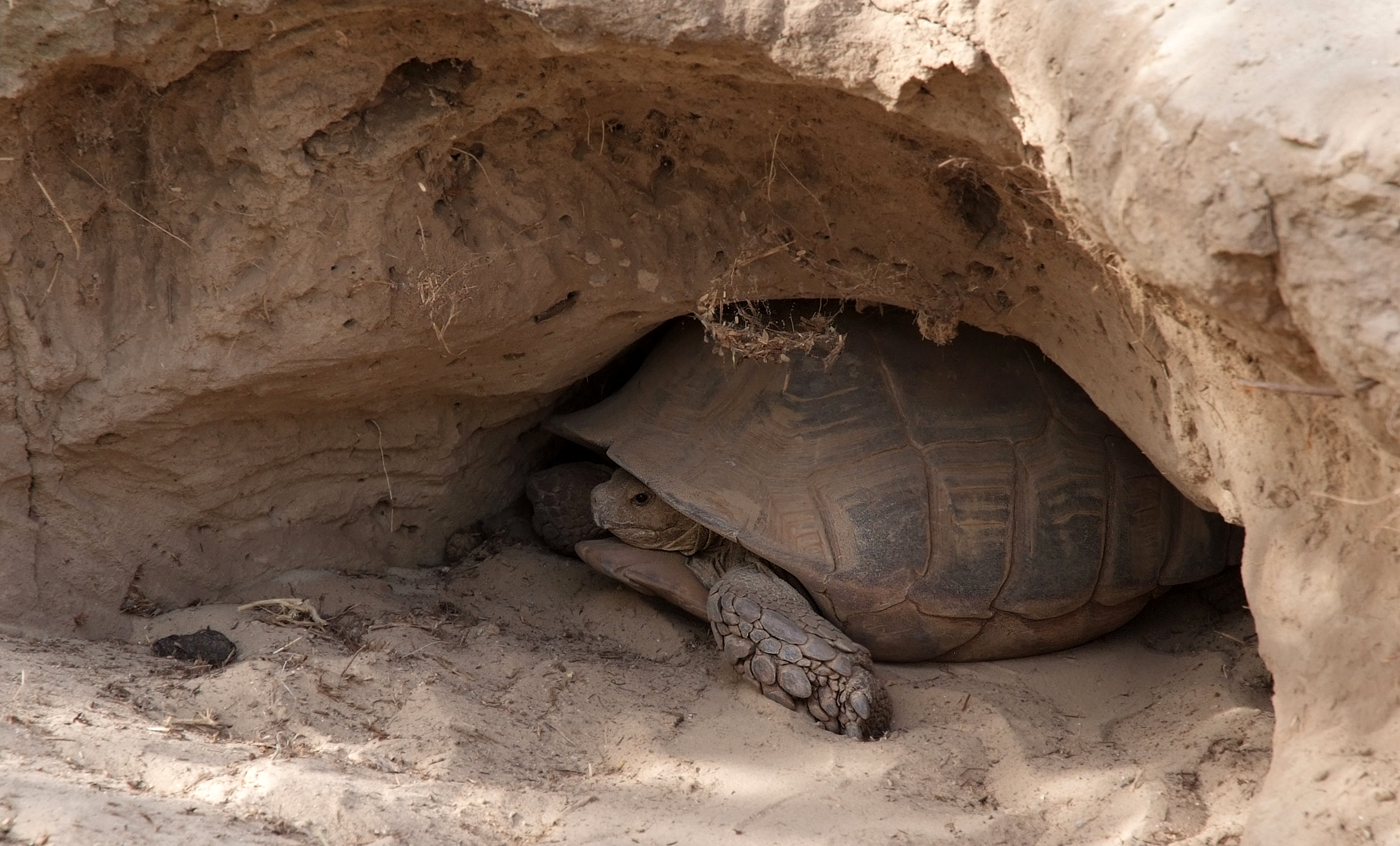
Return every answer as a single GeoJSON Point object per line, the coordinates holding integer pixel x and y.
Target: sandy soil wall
{"type": "Point", "coordinates": [289, 285]}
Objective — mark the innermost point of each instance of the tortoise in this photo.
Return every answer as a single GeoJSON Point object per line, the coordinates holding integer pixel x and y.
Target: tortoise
{"type": "Point", "coordinates": [904, 502]}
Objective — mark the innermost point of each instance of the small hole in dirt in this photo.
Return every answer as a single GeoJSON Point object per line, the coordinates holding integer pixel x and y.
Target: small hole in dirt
{"type": "Point", "coordinates": [515, 356]}
{"type": "Point", "coordinates": [558, 308]}
{"type": "Point", "coordinates": [975, 202]}
{"type": "Point", "coordinates": [347, 324]}
{"type": "Point", "coordinates": [566, 220]}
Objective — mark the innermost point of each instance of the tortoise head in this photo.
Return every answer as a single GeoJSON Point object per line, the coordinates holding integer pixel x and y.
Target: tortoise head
{"type": "Point", "coordinates": [637, 516]}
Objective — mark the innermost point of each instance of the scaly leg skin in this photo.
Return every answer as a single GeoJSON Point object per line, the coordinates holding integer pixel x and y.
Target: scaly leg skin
{"type": "Point", "coordinates": [796, 657]}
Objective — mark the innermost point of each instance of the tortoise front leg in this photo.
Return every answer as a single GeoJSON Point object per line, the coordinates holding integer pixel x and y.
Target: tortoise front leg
{"type": "Point", "coordinates": [649, 571]}
{"type": "Point", "coordinates": [775, 639]}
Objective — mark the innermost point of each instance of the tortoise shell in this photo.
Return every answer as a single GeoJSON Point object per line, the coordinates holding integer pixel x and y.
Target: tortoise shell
{"type": "Point", "coordinates": [959, 502]}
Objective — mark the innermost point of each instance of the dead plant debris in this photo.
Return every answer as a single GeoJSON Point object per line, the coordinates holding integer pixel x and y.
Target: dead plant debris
{"type": "Point", "coordinates": [288, 611]}
{"type": "Point", "coordinates": [751, 330]}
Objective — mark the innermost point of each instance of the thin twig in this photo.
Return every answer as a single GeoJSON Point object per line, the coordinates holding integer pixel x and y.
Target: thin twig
{"type": "Point", "coordinates": [820, 208]}
{"type": "Point", "coordinates": [290, 606]}
{"type": "Point", "coordinates": [57, 263]}
{"type": "Point", "coordinates": [352, 660]}
{"type": "Point", "coordinates": [1348, 501]}
{"type": "Point", "coordinates": [62, 219]}
{"type": "Point", "coordinates": [1285, 387]}
{"type": "Point", "coordinates": [206, 720]}
{"type": "Point", "coordinates": [289, 643]}
{"type": "Point", "coordinates": [384, 465]}
{"type": "Point", "coordinates": [452, 668]}
{"type": "Point", "coordinates": [567, 739]}
{"type": "Point", "coordinates": [483, 166]}
{"type": "Point", "coordinates": [772, 168]}
{"type": "Point", "coordinates": [427, 645]}
{"type": "Point", "coordinates": [128, 207]}
{"type": "Point", "coordinates": [741, 263]}
{"type": "Point", "coordinates": [1384, 523]}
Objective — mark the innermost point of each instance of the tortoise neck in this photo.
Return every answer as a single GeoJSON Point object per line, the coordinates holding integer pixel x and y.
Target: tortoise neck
{"type": "Point", "coordinates": [695, 538]}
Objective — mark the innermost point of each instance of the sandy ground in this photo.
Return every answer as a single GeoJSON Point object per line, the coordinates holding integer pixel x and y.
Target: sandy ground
{"type": "Point", "coordinates": [524, 699]}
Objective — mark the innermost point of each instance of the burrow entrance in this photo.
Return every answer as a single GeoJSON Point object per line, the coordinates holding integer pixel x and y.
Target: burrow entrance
{"type": "Point", "coordinates": [268, 320]}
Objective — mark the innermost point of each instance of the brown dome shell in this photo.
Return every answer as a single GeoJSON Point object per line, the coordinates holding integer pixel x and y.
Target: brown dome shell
{"type": "Point", "coordinates": [959, 502]}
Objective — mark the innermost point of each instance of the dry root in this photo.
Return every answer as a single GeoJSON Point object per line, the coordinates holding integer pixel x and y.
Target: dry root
{"type": "Point", "coordinates": [938, 325]}
{"type": "Point", "coordinates": [746, 333]}
{"type": "Point", "coordinates": [288, 611]}
{"type": "Point", "coordinates": [208, 721]}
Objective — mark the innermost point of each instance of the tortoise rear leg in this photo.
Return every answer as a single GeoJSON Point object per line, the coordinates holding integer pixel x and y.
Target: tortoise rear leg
{"type": "Point", "coordinates": [560, 496]}
{"type": "Point", "coordinates": [775, 639]}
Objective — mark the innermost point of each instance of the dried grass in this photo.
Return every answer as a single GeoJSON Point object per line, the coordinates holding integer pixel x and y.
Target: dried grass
{"type": "Point", "coordinates": [749, 330]}
{"type": "Point", "coordinates": [441, 294]}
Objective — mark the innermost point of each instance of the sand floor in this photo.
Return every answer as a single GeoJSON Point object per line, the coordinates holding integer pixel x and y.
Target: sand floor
{"type": "Point", "coordinates": [525, 699]}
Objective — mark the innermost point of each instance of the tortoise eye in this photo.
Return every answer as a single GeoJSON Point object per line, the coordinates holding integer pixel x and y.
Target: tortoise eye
{"type": "Point", "coordinates": [642, 498]}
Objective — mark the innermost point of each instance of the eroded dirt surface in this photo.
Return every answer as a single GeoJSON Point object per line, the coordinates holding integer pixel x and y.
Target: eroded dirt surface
{"type": "Point", "coordinates": [525, 699]}
{"type": "Point", "coordinates": [289, 285]}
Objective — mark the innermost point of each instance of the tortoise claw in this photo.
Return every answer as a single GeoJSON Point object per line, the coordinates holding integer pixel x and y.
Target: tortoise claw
{"type": "Point", "coordinates": [794, 656]}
